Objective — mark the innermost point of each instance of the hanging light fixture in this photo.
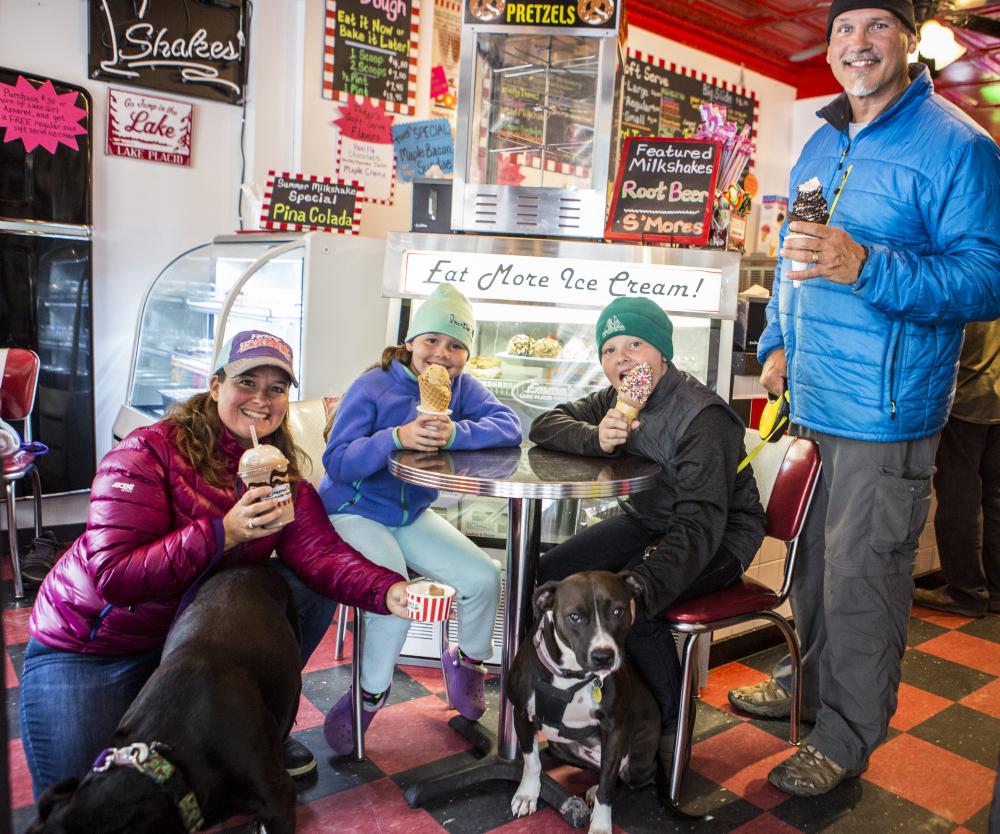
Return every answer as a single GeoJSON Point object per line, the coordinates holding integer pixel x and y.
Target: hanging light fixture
{"type": "Point", "coordinates": [937, 43]}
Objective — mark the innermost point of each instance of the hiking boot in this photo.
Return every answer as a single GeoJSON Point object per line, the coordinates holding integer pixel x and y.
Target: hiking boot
{"type": "Point", "coordinates": [466, 684]}
{"type": "Point", "coordinates": [809, 773]}
{"type": "Point", "coordinates": [940, 600]}
{"type": "Point", "coordinates": [338, 728]}
{"type": "Point", "coordinates": [768, 700]}
{"type": "Point", "coordinates": [299, 759]}
{"type": "Point", "coordinates": [43, 553]}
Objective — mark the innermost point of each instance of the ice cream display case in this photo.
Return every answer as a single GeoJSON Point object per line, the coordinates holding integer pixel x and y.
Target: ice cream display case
{"type": "Point", "coordinates": [536, 303]}
{"type": "Point", "coordinates": [539, 107]}
{"type": "Point", "coordinates": [301, 287]}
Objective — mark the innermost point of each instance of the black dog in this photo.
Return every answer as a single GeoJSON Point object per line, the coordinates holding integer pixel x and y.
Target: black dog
{"type": "Point", "coordinates": [204, 736]}
{"type": "Point", "coordinates": [571, 681]}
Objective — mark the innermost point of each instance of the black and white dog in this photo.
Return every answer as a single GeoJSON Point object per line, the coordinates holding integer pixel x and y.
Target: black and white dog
{"type": "Point", "coordinates": [203, 739]}
{"type": "Point", "coordinates": [571, 681]}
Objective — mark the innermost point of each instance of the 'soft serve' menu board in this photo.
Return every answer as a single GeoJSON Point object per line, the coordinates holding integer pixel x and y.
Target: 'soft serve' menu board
{"type": "Point", "coordinates": [370, 50]}
{"type": "Point", "coordinates": [658, 101]}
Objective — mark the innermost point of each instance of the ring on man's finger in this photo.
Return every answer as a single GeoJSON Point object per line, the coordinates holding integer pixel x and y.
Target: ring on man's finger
{"type": "Point", "coordinates": [815, 257]}
{"type": "Point", "coordinates": [250, 524]}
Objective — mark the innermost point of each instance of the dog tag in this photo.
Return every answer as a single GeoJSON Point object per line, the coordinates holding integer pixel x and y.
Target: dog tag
{"type": "Point", "coordinates": [596, 691]}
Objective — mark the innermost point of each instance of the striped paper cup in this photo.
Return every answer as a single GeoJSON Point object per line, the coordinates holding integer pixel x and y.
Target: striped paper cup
{"type": "Point", "coordinates": [428, 601]}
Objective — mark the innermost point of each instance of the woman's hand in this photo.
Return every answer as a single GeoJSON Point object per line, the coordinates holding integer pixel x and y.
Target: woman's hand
{"type": "Point", "coordinates": [395, 599]}
{"type": "Point", "coordinates": [613, 430]}
{"type": "Point", "coordinates": [428, 433]}
{"type": "Point", "coordinates": [251, 517]}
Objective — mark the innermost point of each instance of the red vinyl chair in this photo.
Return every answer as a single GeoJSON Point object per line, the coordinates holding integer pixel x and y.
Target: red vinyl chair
{"type": "Point", "coordinates": [18, 385]}
{"type": "Point", "coordinates": [747, 599]}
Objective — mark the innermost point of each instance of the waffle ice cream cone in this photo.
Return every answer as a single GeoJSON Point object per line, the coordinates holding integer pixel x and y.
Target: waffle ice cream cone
{"type": "Point", "coordinates": [435, 389]}
{"type": "Point", "coordinates": [635, 390]}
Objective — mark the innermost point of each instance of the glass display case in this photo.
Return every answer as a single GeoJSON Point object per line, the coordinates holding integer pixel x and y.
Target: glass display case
{"type": "Point", "coordinates": [539, 98]}
{"type": "Point", "coordinates": [536, 304]}
{"type": "Point", "coordinates": [301, 287]}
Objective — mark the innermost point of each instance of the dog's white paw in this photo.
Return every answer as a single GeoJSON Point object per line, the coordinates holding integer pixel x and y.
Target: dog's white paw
{"type": "Point", "coordinates": [524, 803]}
{"type": "Point", "coordinates": [600, 819]}
{"type": "Point", "coordinates": [525, 799]}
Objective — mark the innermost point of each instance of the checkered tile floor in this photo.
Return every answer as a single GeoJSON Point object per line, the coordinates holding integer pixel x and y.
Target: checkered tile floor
{"type": "Point", "coordinates": [935, 773]}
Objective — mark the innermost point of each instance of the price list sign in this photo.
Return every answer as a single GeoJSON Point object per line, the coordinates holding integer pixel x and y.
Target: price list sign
{"type": "Point", "coordinates": [370, 51]}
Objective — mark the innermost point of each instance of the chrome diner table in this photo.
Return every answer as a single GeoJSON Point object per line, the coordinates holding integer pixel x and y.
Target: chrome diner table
{"type": "Point", "coordinates": [524, 476]}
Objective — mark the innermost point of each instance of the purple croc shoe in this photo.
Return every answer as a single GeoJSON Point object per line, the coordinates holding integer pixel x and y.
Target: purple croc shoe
{"type": "Point", "coordinates": [338, 727]}
{"type": "Point", "coordinates": [466, 683]}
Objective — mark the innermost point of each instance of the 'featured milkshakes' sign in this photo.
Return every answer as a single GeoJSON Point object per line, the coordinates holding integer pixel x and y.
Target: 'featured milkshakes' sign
{"type": "Point", "coordinates": [575, 283]}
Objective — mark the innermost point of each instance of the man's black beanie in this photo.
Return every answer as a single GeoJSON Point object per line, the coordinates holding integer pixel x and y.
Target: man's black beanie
{"type": "Point", "coordinates": [903, 9]}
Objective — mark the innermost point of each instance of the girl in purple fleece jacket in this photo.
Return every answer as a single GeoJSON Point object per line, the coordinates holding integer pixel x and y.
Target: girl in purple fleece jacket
{"type": "Point", "coordinates": [385, 519]}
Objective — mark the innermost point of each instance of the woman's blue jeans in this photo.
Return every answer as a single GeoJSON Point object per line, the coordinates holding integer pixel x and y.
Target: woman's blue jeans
{"type": "Point", "coordinates": [71, 703]}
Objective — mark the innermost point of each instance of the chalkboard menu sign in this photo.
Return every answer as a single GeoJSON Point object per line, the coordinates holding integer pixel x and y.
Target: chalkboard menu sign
{"type": "Point", "coordinates": [195, 48]}
{"type": "Point", "coordinates": [371, 51]}
{"type": "Point", "coordinates": [657, 101]}
{"type": "Point", "coordinates": [665, 190]}
{"type": "Point", "coordinates": [293, 202]}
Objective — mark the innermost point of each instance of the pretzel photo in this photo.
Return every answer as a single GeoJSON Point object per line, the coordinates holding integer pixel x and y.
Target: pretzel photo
{"type": "Point", "coordinates": [595, 12]}
{"type": "Point", "coordinates": [486, 10]}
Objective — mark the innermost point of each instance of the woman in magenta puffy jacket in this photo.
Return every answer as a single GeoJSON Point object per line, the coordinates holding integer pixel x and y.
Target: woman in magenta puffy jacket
{"type": "Point", "coordinates": [166, 508]}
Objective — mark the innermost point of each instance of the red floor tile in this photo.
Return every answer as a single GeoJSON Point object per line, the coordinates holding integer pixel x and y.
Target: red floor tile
{"type": "Point", "coordinates": [429, 677]}
{"type": "Point", "coordinates": [766, 824]}
{"type": "Point", "coordinates": [915, 706]}
{"type": "Point", "coordinates": [740, 759]}
{"type": "Point", "coordinates": [974, 652]}
{"type": "Point", "coordinates": [934, 778]}
{"type": "Point", "coordinates": [20, 778]}
{"type": "Point", "coordinates": [727, 677]}
{"type": "Point", "coordinates": [940, 618]}
{"type": "Point", "coordinates": [375, 807]}
{"type": "Point", "coordinates": [544, 821]}
{"type": "Point", "coordinates": [412, 733]}
{"type": "Point", "coordinates": [15, 626]}
{"type": "Point", "coordinates": [323, 657]}
{"type": "Point", "coordinates": [985, 699]}
{"type": "Point", "coordinates": [308, 716]}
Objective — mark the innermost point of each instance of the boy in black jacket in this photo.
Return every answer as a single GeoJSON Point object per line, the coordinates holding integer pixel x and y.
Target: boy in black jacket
{"type": "Point", "coordinates": [698, 529]}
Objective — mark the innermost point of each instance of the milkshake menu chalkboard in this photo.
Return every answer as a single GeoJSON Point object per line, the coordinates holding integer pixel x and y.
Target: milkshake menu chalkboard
{"type": "Point", "coordinates": [665, 190]}
{"type": "Point", "coordinates": [656, 101]}
{"type": "Point", "coordinates": [370, 51]}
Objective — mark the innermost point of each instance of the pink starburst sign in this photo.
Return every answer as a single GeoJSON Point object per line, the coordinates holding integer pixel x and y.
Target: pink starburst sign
{"type": "Point", "coordinates": [40, 116]}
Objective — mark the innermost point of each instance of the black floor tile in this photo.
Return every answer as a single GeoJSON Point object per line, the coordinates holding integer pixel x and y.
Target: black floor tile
{"type": "Point", "coordinates": [711, 721]}
{"type": "Point", "coordinates": [332, 775]}
{"type": "Point", "coordinates": [718, 810]}
{"type": "Point", "coordinates": [941, 677]}
{"type": "Point", "coordinates": [988, 628]}
{"type": "Point", "coordinates": [859, 807]}
{"type": "Point", "coordinates": [979, 823]}
{"type": "Point", "coordinates": [325, 687]}
{"type": "Point", "coordinates": [967, 732]}
{"type": "Point", "coordinates": [764, 661]}
{"type": "Point", "coordinates": [22, 818]}
{"type": "Point", "coordinates": [16, 652]}
{"type": "Point", "coordinates": [473, 810]}
{"type": "Point", "coordinates": [13, 703]}
{"type": "Point", "coordinates": [920, 631]}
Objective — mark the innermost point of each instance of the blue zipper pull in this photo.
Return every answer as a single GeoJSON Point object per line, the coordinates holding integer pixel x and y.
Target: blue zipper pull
{"type": "Point", "coordinates": [892, 412]}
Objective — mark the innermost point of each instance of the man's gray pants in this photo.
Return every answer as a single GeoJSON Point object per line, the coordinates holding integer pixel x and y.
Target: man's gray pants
{"type": "Point", "coordinates": [853, 587]}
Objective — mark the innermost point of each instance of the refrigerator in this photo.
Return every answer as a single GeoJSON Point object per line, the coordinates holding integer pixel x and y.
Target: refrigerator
{"type": "Point", "coordinates": [46, 266]}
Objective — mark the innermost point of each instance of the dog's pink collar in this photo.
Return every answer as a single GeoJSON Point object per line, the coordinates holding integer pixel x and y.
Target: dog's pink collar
{"type": "Point", "coordinates": [149, 760]}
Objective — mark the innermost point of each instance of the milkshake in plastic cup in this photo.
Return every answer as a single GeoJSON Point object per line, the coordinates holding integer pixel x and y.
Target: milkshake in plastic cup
{"type": "Point", "coordinates": [265, 465]}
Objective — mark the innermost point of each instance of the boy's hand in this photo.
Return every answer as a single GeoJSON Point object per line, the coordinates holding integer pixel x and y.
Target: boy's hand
{"type": "Point", "coordinates": [613, 430]}
{"type": "Point", "coordinates": [428, 433]}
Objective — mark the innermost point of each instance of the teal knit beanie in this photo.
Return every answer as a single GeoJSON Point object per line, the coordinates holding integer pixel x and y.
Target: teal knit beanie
{"type": "Point", "coordinates": [445, 311]}
{"type": "Point", "coordinates": [637, 317]}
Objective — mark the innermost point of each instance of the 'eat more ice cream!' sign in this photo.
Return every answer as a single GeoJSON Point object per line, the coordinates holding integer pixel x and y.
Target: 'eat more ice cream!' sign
{"type": "Point", "coordinates": [575, 283]}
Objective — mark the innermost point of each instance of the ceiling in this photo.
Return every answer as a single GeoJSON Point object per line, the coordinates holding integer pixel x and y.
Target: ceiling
{"type": "Point", "coordinates": [764, 34]}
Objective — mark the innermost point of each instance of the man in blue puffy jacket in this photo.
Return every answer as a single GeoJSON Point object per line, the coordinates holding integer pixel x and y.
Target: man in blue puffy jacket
{"type": "Point", "coordinates": [867, 339]}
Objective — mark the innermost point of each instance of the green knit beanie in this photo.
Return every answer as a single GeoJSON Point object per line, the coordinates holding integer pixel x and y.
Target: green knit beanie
{"type": "Point", "coordinates": [637, 317]}
{"type": "Point", "coordinates": [445, 311]}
